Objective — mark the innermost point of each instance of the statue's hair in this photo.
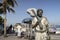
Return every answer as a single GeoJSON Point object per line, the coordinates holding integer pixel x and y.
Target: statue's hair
{"type": "Point", "coordinates": [40, 10]}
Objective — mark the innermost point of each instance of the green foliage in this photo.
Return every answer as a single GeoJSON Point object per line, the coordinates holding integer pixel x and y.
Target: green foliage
{"type": "Point", "coordinates": [0, 4]}
{"type": "Point", "coordinates": [1, 10]}
{"type": "Point", "coordinates": [1, 19]}
{"type": "Point", "coordinates": [11, 2]}
{"type": "Point", "coordinates": [7, 5]}
{"type": "Point", "coordinates": [4, 6]}
{"type": "Point", "coordinates": [10, 9]}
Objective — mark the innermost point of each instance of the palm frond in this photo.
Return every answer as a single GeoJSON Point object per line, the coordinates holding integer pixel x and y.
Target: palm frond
{"type": "Point", "coordinates": [0, 4]}
{"type": "Point", "coordinates": [1, 10]}
{"type": "Point", "coordinates": [1, 19]}
{"type": "Point", "coordinates": [10, 2]}
{"type": "Point", "coordinates": [15, 2]}
{"type": "Point", "coordinates": [10, 9]}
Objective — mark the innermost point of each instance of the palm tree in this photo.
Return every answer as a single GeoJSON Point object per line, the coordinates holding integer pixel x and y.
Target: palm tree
{"type": "Point", "coordinates": [4, 6]}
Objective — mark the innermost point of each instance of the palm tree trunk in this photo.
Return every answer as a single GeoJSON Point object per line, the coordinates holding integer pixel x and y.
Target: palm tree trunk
{"type": "Point", "coordinates": [5, 24]}
{"type": "Point", "coordinates": [4, 14]}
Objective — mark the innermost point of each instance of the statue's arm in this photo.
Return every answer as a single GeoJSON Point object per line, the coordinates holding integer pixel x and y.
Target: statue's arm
{"type": "Point", "coordinates": [47, 29]}
{"type": "Point", "coordinates": [47, 25]}
{"type": "Point", "coordinates": [34, 26]}
{"type": "Point", "coordinates": [34, 23]}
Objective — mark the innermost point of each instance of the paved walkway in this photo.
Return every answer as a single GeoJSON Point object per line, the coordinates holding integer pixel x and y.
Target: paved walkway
{"type": "Point", "coordinates": [11, 38]}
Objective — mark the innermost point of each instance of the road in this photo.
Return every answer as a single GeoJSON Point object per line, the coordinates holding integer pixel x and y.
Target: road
{"type": "Point", "coordinates": [12, 37]}
{"type": "Point", "coordinates": [55, 36]}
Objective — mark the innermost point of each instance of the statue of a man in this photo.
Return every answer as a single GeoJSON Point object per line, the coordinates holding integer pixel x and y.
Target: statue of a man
{"type": "Point", "coordinates": [40, 23]}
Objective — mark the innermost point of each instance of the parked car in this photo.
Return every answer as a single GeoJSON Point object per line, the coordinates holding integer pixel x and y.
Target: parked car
{"type": "Point", "coordinates": [52, 30]}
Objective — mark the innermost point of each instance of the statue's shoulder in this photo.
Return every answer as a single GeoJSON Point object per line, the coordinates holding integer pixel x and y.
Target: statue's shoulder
{"type": "Point", "coordinates": [44, 17]}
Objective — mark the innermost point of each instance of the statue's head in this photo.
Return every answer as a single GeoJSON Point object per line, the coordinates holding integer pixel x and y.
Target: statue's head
{"type": "Point", "coordinates": [39, 12]}
{"type": "Point", "coordinates": [30, 11]}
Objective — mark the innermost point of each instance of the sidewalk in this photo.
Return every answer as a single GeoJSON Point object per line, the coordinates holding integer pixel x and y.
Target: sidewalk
{"type": "Point", "coordinates": [11, 38]}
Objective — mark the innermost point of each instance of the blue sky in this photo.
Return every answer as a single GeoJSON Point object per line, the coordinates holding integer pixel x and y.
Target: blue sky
{"type": "Point", "coordinates": [51, 9]}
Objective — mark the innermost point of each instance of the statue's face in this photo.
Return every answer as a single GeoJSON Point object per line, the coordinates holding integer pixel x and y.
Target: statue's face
{"type": "Point", "coordinates": [39, 13]}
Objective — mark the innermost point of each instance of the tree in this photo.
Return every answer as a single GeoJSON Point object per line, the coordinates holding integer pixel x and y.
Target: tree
{"type": "Point", "coordinates": [6, 5]}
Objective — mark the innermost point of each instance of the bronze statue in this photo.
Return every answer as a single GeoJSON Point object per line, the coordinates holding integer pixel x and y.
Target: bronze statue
{"type": "Point", "coordinates": [40, 23]}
